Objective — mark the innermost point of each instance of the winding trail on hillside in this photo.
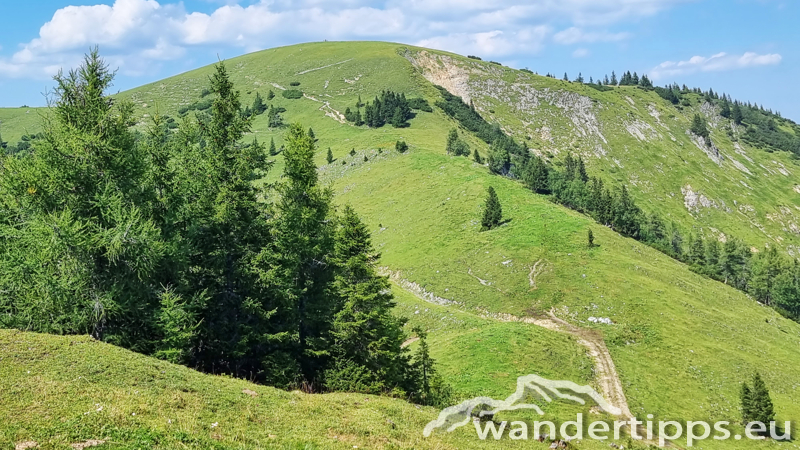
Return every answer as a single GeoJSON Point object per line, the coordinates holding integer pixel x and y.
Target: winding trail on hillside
{"type": "Point", "coordinates": [606, 375]}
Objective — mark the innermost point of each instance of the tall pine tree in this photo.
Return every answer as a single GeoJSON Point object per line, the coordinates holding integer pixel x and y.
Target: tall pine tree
{"type": "Point", "coordinates": [492, 211]}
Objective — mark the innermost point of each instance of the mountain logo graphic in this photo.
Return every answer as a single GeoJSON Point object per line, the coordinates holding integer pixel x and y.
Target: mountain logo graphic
{"type": "Point", "coordinates": [459, 415]}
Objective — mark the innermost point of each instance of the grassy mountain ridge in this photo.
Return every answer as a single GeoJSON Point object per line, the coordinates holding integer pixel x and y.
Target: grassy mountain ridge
{"type": "Point", "coordinates": [631, 136]}
{"type": "Point", "coordinates": [682, 343]}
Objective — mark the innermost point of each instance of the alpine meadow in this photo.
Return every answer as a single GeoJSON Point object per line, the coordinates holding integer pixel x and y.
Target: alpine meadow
{"type": "Point", "coordinates": [325, 245]}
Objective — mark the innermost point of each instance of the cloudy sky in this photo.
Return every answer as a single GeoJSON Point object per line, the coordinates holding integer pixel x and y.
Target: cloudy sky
{"type": "Point", "coordinates": [747, 48]}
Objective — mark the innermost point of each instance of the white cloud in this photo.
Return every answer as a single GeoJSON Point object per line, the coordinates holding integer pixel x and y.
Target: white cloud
{"type": "Point", "coordinates": [580, 53]}
{"type": "Point", "coordinates": [494, 43]}
{"type": "Point", "coordinates": [140, 34]}
{"type": "Point", "coordinates": [714, 63]}
{"type": "Point", "coordinates": [575, 35]}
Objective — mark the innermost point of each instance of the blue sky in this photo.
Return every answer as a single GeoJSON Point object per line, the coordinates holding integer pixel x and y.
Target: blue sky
{"type": "Point", "coordinates": [747, 48]}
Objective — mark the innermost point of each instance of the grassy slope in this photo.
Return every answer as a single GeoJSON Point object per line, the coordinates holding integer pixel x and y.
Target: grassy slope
{"type": "Point", "coordinates": [14, 122]}
{"type": "Point", "coordinates": [59, 391]}
{"type": "Point", "coordinates": [680, 342]}
{"type": "Point", "coordinates": [634, 137]}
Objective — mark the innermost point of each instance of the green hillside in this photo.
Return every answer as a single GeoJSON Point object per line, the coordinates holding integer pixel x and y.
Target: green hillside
{"type": "Point", "coordinates": [681, 343]}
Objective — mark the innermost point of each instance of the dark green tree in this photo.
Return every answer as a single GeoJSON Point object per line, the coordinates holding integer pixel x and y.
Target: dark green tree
{"type": "Point", "coordinates": [590, 238]}
{"type": "Point", "coordinates": [736, 114]}
{"type": "Point", "coordinates": [259, 107]}
{"type": "Point", "coordinates": [477, 157]}
{"type": "Point", "coordinates": [329, 157]}
{"type": "Point", "coordinates": [492, 211]}
{"type": "Point", "coordinates": [367, 338]}
{"type": "Point", "coordinates": [756, 402]}
{"type": "Point", "coordinates": [272, 150]}
{"type": "Point", "coordinates": [452, 141]}
{"type": "Point", "coordinates": [432, 390]}
{"type": "Point", "coordinates": [297, 267]}
{"type": "Point", "coordinates": [725, 109]}
{"type": "Point", "coordinates": [697, 254]}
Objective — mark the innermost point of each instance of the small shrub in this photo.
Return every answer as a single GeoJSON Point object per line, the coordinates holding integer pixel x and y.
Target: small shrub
{"type": "Point", "coordinates": [294, 83]}
{"type": "Point", "coordinates": [401, 146]}
{"type": "Point", "coordinates": [419, 104]}
{"type": "Point", "coordinates": [474, 57]}
{"type": "Point", "coordinates": [292, 94]}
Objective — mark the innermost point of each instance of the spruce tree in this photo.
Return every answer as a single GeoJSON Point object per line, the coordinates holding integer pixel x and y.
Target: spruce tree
{"type": "Point", "coordinates": [725, 110]}
{"type": "Point", "coordinates": [746, 402]}
{"type": "Point", "coordinates": [756, 402]}
{"type": "Point", "coordinates": [477, 157]}
{"type": "Point", "coordinates": [535, 175]}
{"type": "Point", "coordinates": [697, 251]}
{"type": "Point", "coordinates": [270, 95]}
{"type": "Point", "coordinates": [763, 406]}
{"type": "Point", "coordinates": [367, 338]}
{"type": "Point", "coordinates": [492, 211]}
{"type": "Point", "coordinates": [272, 150]}
{"type": "Point", "coordinates": [452, 141]}
{"type": "Point", "coordinates": [258, 105]}
{"type": "Point", "coordinates": [590, 238]}
{"type": "Point", "coordinates": [582, 175]}
{"type": "Point", "coordinates": [712, 258]}
{"type": "Point", "coordinates": [736, 114]}
{"type": "Point", "coordinates": [298, 269]}
{"type": "Point", "coordinates": [329, 157]}
{"type": "Point", "coordinates": [566, 78]}
{"type": "Point", "coordinates": [311, 134]}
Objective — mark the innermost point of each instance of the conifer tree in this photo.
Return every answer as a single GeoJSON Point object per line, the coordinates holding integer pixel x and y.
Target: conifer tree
{"type": "Point", "coordinates": [725, 110]}
{"type": "Point", "coordinates": [697, 251]}
{"type": "Point", "coordinates": [582, 175]}
{"type": "Point", "coordinates": [736, 114]}
{"type": "Point", "coordinates": [272, 150]}
{"type": "Point", "coordinates": [258, 105]}
{"type": "Point", "coordinates": [270, 95]}
{"type": "Point", "coordinates": [329, 157]}
{"type": "Point", "coordinates": [311, 134]}
{"type": "Point", "coordinates": [566, 78]}
{"type": "Point", "coordinates": [367, 338]}
{"type": "Point", "coordinates": [477, 157]}
{"type": "Point", "coordinates": [590, 238]}
{"type": "Point", "coordinates": [746, 402]}
{"type": "Point", "coordinates": [452, 141]}
{"type": "Point", "coordinates": [492, 211]}
{"type": "Point", "coordinates": [298, 269]}
{"type": "Point", "coordinates": [756, 402]}
{"type": "Point", "coordinates": [431, 388]}
{"type": "Point", "coordinates": [536, 175]}
{"type": "Point", "coordinates": [712, 258]}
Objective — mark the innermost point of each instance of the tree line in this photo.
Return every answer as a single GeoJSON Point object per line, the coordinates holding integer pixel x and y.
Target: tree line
{"type": "Point", "coordinates": [770, 277]}
{"type": "Point", "coordinates": [163, 244]}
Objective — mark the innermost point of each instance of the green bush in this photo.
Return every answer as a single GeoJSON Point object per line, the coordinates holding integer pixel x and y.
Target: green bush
{"type": "Point", "coordinates": [292, 94]}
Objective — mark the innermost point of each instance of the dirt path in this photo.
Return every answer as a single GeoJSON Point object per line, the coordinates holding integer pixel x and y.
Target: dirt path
{"type": "Point", "coordinates": [606, 376]}
{"type": "Point", "coordinates": [328, 109]}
